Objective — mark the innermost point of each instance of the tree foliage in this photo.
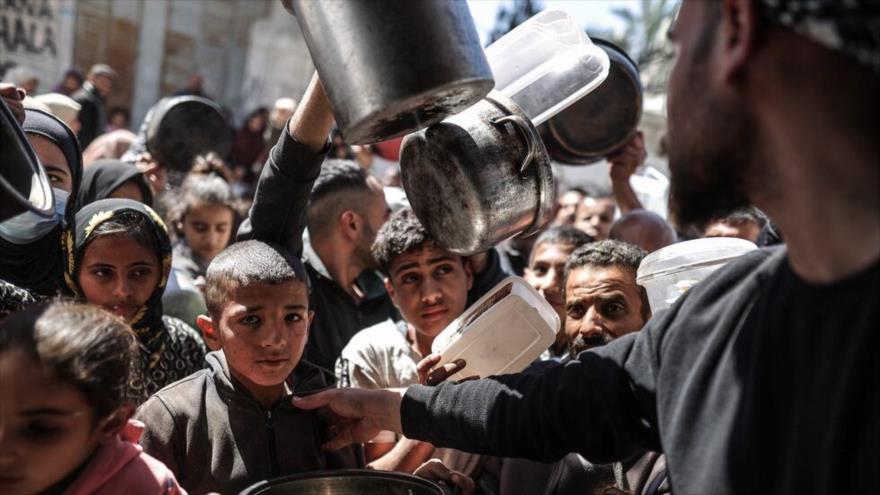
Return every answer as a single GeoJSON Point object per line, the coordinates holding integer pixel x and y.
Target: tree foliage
{"type": "Point", "coordinates": [644, 39]}
{"type": "Point", "coordinates": [512, 15]}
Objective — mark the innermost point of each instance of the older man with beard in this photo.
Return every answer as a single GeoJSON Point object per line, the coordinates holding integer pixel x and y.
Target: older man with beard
{"type": "Point", "coordinates": [763, 377]}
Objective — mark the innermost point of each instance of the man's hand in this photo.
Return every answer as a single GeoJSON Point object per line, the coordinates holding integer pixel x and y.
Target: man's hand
{"type": "Point", "coordinates": [355, 415]}
{"type": "Point", "coordinates": [313, 118]}
{"type": "Point", "coordinates": [624, 163]}
{"type": "Point", "coordinates": [626, 160]}
{"type": "Point", "coordinates": [13, 97]}
{"type": "Point", "coordinates": [435, 470]}
{"type": "Point", "coordinates": [428, 375]}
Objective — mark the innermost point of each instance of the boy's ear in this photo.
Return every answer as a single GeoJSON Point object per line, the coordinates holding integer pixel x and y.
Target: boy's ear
{"type": "Point", "coordinates": [209, 331]}
{"type": "Point", "coordinates": [390, 290]}
{"type": "Point", "coordinates": [349, 222]}
{"type": "Point", "coordinates": [468, 271]}
{"type": "Point", "coordinates": [311, 317]}
{"type": "Point", "coordinates": [111, 426]}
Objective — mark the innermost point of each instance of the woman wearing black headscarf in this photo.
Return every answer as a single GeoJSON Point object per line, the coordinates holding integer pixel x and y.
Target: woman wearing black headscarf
{"type": "Point", "coordinates": [118, 257]}
{"type": "Point", "coordinates": [30, 254]}
{"type": "Point", "coordinates": [113, 179]}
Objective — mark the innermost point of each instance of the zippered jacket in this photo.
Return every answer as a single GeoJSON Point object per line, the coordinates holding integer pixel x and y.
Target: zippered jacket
{"type": "Point", "coordinates": [216, 437]}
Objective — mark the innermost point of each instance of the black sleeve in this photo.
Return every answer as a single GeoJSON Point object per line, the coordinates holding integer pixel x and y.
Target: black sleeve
{"type": "Point", "coordinates": [601, 405]}
{"type": "Point", "coordinates": [88, 121]}
{"type": "Point", "coordinates": [278, 214]}
{"type": "Point", "coordinates": [490, 277]}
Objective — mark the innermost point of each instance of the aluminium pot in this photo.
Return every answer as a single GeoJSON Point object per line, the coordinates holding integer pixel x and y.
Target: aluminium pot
{"type": "Point", "coordinates": [479, 177]}
{"type": "Point", "coordinates": [391, 68]}
{"type": "Point", "coordinates": [345, 482]}
{"type": "Point", "coordinates": [602, 121]}
{"type": "Point", "coordinates": [23, 182]}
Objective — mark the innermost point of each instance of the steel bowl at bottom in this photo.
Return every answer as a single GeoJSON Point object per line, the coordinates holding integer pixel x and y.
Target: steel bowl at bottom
{"type": "Point", "coordinates": [345, 482]}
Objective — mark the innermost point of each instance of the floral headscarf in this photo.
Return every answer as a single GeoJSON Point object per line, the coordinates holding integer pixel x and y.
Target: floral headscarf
{"type": "Point", "coordinates": [147, 322]}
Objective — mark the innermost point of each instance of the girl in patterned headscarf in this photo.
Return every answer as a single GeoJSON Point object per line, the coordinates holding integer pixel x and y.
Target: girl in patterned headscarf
{"type": "Point", "coordinates": [118, 256]}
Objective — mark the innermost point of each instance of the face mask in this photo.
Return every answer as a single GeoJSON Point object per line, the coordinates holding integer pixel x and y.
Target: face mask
{"type": "Point", "coordinates": [29, 227]}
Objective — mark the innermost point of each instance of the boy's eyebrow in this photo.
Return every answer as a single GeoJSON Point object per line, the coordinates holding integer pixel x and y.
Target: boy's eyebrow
{"type": "Point", "coordinates": [295, 306]}
{"type": "Point", "coordinates": [439, 259]}
{"type": "Point", "coordinates": [48, 411]}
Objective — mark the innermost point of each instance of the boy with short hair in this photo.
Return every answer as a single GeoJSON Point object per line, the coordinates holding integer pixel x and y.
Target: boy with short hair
{"type": "Point", "coordinates": [233, 424]}
{"type": "Point", "coordinates": [429, 286]}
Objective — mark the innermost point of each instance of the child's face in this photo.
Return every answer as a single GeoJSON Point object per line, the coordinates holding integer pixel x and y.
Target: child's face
{"type": "Point", "coordinates": [429, 286]}
{"type": "Point", "coordinates": [207, 230]}
{"type": "Point", "coordinates": [262, 331]}
{"type": "Point", "coordinates": [118, 274]}
{"type": "Point", "coordinates": [47, 428]}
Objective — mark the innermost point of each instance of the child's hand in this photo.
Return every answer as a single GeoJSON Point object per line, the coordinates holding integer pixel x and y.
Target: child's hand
{"type": "Point", "coordinates": [355, 415]}
{"type": "Point", "coordinates": [428, 375]}
{"type": "Point", "coordinates": [435, 470]}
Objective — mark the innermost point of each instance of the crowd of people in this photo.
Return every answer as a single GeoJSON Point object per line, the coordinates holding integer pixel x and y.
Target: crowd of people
{"type": "Point", "coordinates": [273, 311]}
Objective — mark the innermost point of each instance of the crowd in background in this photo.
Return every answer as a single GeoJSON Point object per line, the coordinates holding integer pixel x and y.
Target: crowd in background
{"type": "Point", "coordinates": [199, 305]}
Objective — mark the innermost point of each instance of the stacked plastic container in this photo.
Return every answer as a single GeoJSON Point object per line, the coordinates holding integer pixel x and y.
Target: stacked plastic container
{"type": "Point", "coordinates": [546, 63]}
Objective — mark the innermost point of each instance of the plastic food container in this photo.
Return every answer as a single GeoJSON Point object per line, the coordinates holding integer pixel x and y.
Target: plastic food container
{"type": "Point", "coordinates": [668, 273]}
{"type": "Point", "coordinates": [503, 332]}
{"type": "Point", "coordinates": [546, 63]}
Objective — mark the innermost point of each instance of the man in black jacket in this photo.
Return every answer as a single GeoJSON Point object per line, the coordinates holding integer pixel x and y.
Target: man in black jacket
{"type": "Point", "coordinates": [762, 378]}
{"type": "Point", "coordinates": [92, 98]}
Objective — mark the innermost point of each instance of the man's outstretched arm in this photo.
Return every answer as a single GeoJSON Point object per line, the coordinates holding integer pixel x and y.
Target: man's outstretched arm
{"type": "Point", "coordinates": [601, 405]}
{"type": "Point", "coordinates": [278, 213]}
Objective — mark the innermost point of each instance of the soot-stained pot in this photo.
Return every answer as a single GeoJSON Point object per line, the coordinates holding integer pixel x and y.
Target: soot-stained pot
{"type": "Point", "coordinates": [345, 482]}
{"type": "Point", "coordinates": [23, 182]}
{"type": "Point", "coordinates": [602, 121]}
{"type": "Point", "coordinates": [478, 177]}
{"type": "Point", "coordinates": [183, 127]}
{"type": "Point", "coordinates": [390, 68]}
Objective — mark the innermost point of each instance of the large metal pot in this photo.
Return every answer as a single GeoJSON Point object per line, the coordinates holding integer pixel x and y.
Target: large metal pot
{"type": "Point", "coordinates": [478, 177]}
{"type": "Point", "coordinates": [390, 68]}
{"type": "Point", "coordinates": [345, 482]}
{"type": "Point", "coordinates": [23, 182]}
{"type": "Point", "coordinates": [602, 121]}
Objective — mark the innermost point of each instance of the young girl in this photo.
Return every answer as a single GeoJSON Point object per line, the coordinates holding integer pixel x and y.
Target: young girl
{"type": "Point", "coordinates": [204, 219]}
{"type": "Point", "coordinates": [64, 420]}
{"type": "Point", "coordinates": [119, 258]}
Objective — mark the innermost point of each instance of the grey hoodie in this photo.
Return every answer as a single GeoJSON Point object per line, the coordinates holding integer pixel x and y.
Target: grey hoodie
{"type": "Point", "coordinates": [216, 437]}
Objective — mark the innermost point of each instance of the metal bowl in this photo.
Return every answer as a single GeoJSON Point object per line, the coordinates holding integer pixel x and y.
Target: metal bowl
{"type": "Point", "coordinates": [23, 182]}
{"type": "Point", "coordinates": [601, 122]}
{"type": "Point", "coordinates": [345, 482]}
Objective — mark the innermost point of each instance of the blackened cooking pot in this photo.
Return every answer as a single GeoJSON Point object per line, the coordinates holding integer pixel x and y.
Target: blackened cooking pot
{"type": "Point", "coordinates": [390, 68]}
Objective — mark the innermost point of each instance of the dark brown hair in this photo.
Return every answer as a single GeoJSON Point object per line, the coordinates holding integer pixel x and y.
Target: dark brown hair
{"type": "Point", "coordinates": [77, 344]}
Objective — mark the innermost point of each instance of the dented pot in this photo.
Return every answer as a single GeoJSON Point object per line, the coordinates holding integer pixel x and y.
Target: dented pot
{"type": "Point", "coordinates": [479, 177]}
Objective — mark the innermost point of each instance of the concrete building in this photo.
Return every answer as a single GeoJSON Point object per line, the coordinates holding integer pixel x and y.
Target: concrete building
{"type": "Point", "coordinates": [249, 52]}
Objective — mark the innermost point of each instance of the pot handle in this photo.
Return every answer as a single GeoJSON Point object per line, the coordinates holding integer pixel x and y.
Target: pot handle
{"type": "Point", "coordinates": [528, 134]}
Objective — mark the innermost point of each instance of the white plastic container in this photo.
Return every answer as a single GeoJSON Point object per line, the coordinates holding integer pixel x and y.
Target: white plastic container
{"type": "Point", "coordinates": [668, 273]}
{"type": "Point", "coordinates": [546, 63]}
{"type": "Point", "coordinates": [503, 332]}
